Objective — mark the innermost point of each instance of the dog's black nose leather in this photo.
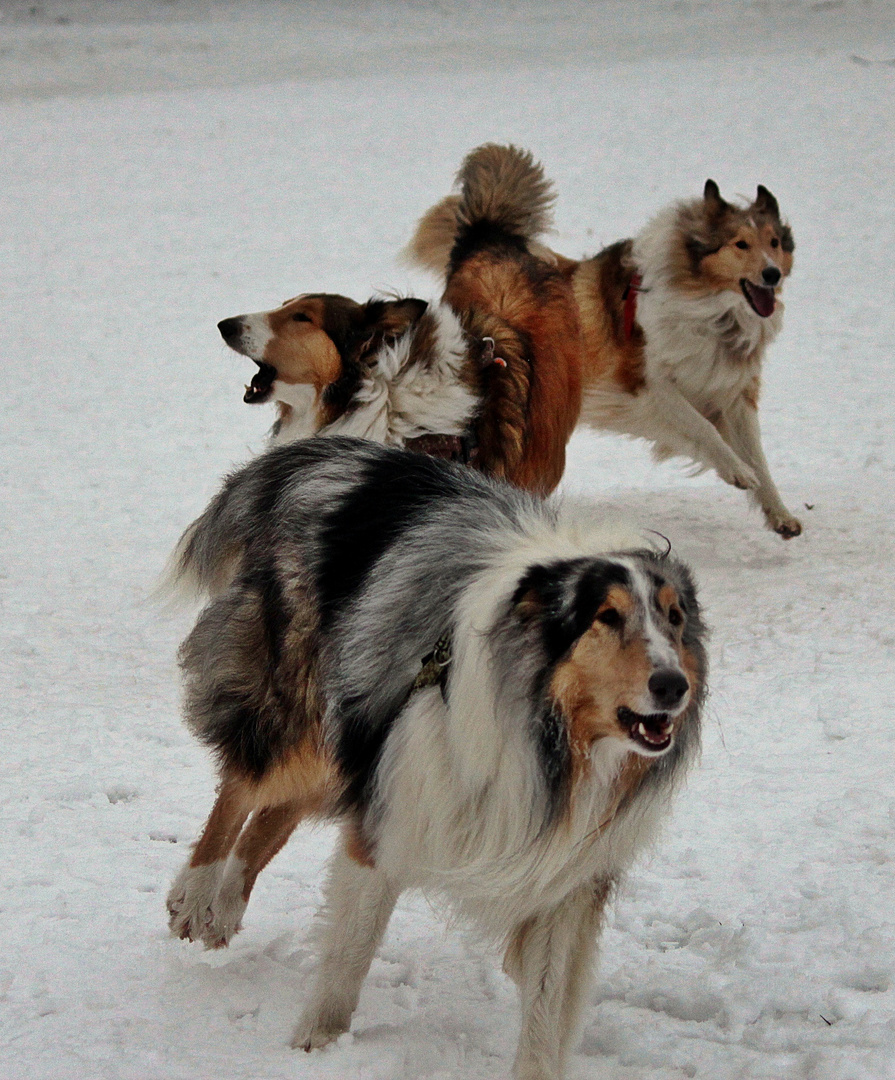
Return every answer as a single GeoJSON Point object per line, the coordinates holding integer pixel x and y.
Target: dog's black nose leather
{"type": "Point", "coordinates": [770, 275]}
{"type": "Point", "coordinates": [230, 328]}
{"type": "Point", "coordinates": [668, 687]}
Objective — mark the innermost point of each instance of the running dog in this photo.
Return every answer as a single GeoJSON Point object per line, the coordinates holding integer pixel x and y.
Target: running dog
{"type": "Point", "coordinates": [489, 376]}
{"type": "Point", "coordinates": [496, 702]}
{"type": "Point", "coordinates": [674, 327]}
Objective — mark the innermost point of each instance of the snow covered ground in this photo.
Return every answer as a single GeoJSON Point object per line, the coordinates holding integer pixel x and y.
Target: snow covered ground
{"type": "Point", "coordinates": [166, 164]}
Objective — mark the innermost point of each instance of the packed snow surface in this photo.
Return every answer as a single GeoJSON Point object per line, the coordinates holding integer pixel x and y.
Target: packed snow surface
{"type": "Point", "coordinates": [165, 165]}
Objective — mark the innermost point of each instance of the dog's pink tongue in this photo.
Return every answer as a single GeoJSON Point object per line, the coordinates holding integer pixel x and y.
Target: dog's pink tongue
{"type": "Point", "coordinates": [762, 299]}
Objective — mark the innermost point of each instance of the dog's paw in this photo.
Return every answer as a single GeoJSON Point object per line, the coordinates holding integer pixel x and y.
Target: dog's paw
{"type": "Point", "coordinates": [198, 910]}
{"type": "Point", "coordinates": [785, 525]}
{"type": "Point", "coordinates": [223, 920]}
{"type": "Point", "coordinates": [739, 475]}
{"type": "Point", "coordinates": [318, 1028]}
{"type": "Point", "coordinates": [526, 1068]}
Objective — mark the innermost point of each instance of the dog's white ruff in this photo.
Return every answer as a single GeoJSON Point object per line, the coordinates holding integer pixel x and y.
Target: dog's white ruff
{"type": "Point", "coordinates": [398, 400]}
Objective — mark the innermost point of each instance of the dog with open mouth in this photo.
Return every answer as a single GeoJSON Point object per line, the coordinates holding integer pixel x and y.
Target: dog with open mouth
{"type": "Point", "coordinates": [488, 376]}
{"type": "Point", "coordinates": [675, 324]}
{"type": "Point", "coordinates": [402, 372]}
{"type": "Point", "coordinates": [494, 696]}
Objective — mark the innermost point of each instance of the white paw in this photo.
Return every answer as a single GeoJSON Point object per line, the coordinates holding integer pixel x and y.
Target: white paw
{"type": "Point", "coordinates": [318, 1028]}
{"type": "Point", "coordinates": [739, 474]}
{"type": "Point", "coordinates": [191, 897]}
{"type": "Point", "coordinates": [224, 918]}
{"type": "Point", "coordinates": [784, 525]}
{"type": "Point", "coordinates": [201, 909]}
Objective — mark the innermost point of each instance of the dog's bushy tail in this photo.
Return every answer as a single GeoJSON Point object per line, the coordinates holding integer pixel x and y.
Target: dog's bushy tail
{"type": "Point", "coordinates": [501, 186]}
{"type": "Point", "coordinates": [209, 552]}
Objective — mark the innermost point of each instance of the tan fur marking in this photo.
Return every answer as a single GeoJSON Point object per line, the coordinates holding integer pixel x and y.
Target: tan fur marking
{"type": "Point", "coordinates": [618, 598]}
{"type": "Point", "coordinates": [752, 392]}
{"type": "Point", "coordinates": [603, 673]}
{"type": "Point", "coordinates": [302, 352]}
{"type": "Point", "coordinates": [667, 597]}
{"type": "Point", "coordinates": [724, 268]}
{"type": "Point", "coordinates": [266, 833]}
{"type": "Point", "coordinates": [231, 808]}
{"type": "Point", "coordinates": [357, 846]}
{"type": "Point", "coordinates": [432, 242]}
{"type": "Point", "coordinates": [306, 775]}
{"type": "Point", "coordinates": [691, 668]}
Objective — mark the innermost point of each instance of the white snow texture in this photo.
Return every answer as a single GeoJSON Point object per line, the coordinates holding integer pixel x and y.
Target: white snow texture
{"type": "Point", "coordinates": [168, 164]}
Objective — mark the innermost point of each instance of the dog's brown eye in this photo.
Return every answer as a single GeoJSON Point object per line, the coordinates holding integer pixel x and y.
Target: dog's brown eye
{"type": "Point", "coordinates": [742, 245]}
{"type": "Point", "coordinates": [610, 617]}
{"type": "Point", "coordinates": [775, 242]}
{"type": "Point", "coordinates": [300, 316]}
{"type": "Point", "coordinates": [675, 617]}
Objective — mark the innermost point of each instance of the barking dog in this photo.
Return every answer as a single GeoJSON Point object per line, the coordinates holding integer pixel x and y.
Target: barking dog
{"type": "Point", "coordinates": [674, 327]}
{"type": "Point", "coordinates": [490, 375]}
{"type": "Point", "coordinates": [495, 703]}
{"type": "Point", "coordinates": [400, 372]}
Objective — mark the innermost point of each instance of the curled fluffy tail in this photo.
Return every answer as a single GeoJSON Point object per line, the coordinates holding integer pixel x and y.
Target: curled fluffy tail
{"type": "Point", "coordinates": [499, 185]}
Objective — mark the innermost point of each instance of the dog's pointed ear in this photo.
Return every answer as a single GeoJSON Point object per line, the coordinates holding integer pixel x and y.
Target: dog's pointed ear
{"type": "Point", "coordinates": [765, 203]}
{"type": "Point", "coordinates": [712, 195]}
{"type": "Point", "coordinates": [392, 318]}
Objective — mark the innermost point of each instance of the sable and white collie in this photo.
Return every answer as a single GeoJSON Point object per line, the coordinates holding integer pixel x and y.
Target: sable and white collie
{"type": "Point", "coordinates": [494, 701]}
{"type": "Point", "coordinates": [674, 327]}
{"type": "Point", "coordinates": [489, 376]}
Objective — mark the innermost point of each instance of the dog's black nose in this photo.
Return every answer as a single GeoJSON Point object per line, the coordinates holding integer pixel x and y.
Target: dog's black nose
{"type": "Point", "coordinates": [770, 275]}
{"type": "Point", "coordinates": [668, 687]}
{"type": "Point", "coordinates": [230, 329]}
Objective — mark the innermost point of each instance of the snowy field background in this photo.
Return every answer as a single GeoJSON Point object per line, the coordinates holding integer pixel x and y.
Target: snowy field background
{"type": "Point", "coordinates": [166, 164]}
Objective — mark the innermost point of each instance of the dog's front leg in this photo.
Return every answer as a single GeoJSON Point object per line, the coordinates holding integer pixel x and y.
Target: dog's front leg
{"type": "Point", "coordinates": [359, 900]}
{"type": "Point", "coordinates": [739, 427]}
{"type": "Point", "coordinates": [550, 957]}
{"type": "Point", "coordinates": [674, 422]}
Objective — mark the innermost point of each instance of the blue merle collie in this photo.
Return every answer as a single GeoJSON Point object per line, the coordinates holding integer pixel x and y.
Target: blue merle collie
{"type": "Point", "coordinates": [494, 702]}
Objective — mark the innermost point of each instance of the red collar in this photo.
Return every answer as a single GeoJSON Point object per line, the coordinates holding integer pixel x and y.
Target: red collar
{"type": "Point", "coordinates": [630, 298]}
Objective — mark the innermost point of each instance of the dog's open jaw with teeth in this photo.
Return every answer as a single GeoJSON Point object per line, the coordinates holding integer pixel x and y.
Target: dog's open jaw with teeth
{"type": "Point", "coordinates": [261, 386]}
{"type": "Point", "coordinates": [653, 733]}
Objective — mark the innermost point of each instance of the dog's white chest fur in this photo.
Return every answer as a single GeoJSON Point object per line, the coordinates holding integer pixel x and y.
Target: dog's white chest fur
{"type": "Point", "coordinates": [710, 347]}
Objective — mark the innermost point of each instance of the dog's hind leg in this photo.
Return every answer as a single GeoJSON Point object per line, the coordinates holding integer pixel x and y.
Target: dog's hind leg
{"type": "Point", "coordinates": [550, 957]}
{"type": "Point", "coordinates": [266, 833]}
{"type": "Point", "coordinates": [192, 896]}
{"type": "Point", "coordinates": [740, 429]}
{"type": "Point", "coordinates": [359, 900]}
